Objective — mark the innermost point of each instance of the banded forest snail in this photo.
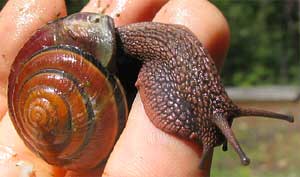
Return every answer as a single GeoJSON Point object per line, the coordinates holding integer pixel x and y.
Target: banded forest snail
{"type": "Point", "coordinates": [69, 108]}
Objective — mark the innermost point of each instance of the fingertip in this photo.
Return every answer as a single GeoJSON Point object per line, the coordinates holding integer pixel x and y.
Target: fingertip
{"type": "Point", "coordinates": [126, 11]}
{"type": "Point", "coordinates": [205, 20]}
{"type": "Point", "coordinates": [19, 19]}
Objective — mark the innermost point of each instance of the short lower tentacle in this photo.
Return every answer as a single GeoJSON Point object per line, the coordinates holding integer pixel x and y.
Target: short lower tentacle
{"type": "Point", "coordinates": [225, 146]}
{"type": "Point", "coordinates": [205, 156]}
{"type": "Point", "coordinates": [223, 125]}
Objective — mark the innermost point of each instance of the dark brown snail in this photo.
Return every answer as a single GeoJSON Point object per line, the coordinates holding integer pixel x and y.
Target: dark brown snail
{"type": "Point", "coordinates": [69, 108]}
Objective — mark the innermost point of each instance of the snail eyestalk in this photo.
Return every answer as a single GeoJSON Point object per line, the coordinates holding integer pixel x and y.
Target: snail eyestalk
{"type": "Point", "coordinates": [262, 113]}
{"type": "Point", "coordinates": [207, 151]}
{"type": "Point", "coordinates": [223, 125]}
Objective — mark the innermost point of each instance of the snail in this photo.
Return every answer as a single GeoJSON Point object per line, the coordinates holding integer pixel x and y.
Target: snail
{"type": "Point", "coordinates": [69, 107]}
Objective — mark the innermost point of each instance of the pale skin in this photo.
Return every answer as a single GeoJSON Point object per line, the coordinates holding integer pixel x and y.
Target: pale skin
{"type": "Point", "coordinates": [143, 149]}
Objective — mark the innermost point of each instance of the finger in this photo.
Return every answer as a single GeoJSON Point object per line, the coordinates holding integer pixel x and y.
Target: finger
{"type": "Point", "coordinates": [144, 150]}
{"type": "Point", "coordinates": [3, 106]}
{"type": "Point", "coordinates": [205, 20]}
{"type": "Point", "coordinates": [19, 19]}
{"type": "Point", "coordinates": [126, 11]}
{"type": "Point", "coordinates": [135, 145]}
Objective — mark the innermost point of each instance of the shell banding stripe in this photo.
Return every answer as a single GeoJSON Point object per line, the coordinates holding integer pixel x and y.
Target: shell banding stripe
{"type": "Point", "coordinates": [48, 88]}
{"type": "Point", "coordinates": [76, 81]}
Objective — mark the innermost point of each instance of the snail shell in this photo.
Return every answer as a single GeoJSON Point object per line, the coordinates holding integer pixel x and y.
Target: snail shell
{"type": "Point", "coordinates": [64, 101]}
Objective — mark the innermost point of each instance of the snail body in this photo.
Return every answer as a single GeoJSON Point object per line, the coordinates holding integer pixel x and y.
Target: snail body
{"type": "Point", "coordinates": [179, 85]}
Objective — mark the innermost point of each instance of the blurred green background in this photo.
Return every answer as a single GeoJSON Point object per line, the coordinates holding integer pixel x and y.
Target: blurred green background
{"type": "Point", "coordinates": [265, 42]}
{"type": "Point", "coordinates": [265, 50]}
{"type": "Point", "coordinates": [265, 47]}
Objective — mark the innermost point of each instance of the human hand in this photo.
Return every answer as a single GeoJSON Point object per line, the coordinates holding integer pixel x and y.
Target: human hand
{"type": "Point", "coordinates": [142, 150]}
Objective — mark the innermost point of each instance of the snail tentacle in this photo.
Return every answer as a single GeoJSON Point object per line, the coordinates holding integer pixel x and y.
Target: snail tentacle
{"type": "Point", "coordinates": [221, 122]}
{"type": "Point", "coordinates": [263, 113]}
{"type": "Point", "coordinates": [205, 155]}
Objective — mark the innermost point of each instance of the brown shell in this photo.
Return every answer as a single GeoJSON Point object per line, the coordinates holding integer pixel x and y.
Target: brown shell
{"type": "Point", "coordinates": [66, 106]}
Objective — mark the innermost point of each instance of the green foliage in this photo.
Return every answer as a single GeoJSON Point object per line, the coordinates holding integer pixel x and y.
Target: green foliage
{"type": "Point", "coordinates": [2, 3]}
{"type": "Point", "coordinates": [265, 38]}
{"type": "Point", "coordinates": [264, 42]}
{"type": "Point", "coordinates": [75, 5]}
{"type": "Point", "coordinates": [272, 154]}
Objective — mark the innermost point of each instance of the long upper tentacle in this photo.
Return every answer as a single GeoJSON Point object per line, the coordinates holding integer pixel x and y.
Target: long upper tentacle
{"type": "Point", "coordinates": [262, 113]}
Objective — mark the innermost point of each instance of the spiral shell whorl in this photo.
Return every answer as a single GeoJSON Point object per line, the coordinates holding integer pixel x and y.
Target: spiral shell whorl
{"type": "Point", "coordinates": [64, 103]}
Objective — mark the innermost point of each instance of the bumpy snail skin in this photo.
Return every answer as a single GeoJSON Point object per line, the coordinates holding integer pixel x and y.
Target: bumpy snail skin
{"type": "Point", "coordinates": [179, 85]}
{"type": "Point", "coordinates": [181, 88]}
